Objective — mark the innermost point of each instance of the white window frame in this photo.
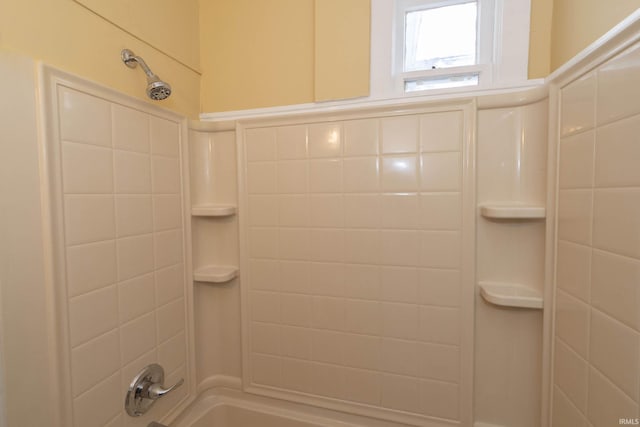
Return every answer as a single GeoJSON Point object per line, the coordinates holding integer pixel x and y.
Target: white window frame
{"type": "Point", "coordinates": [503, 48]}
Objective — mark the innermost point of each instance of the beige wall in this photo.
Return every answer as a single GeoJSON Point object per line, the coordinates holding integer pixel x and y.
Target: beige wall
{"type": "Point", "coordinates": [67, 35]}
{"type": "Point", "coordinates": [578, 23]}
{"type": "Point", "coordinates": [282, 52]}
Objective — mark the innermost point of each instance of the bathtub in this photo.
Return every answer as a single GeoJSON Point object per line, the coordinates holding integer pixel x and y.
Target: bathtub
{"type": "Point", "coordinates": [223, 407]}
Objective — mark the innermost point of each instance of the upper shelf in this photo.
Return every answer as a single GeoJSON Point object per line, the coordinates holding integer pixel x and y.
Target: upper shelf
{"type": "Point", "coordinates": [510, 295]}
{"type": "Point", "coordinates": [512, 211]}
{"type": "Point", "coordinates": [213, 210]}
{"type": "Point", "coordinates": [215, 273]}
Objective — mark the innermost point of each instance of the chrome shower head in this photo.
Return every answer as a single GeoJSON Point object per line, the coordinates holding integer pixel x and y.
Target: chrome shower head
{"type": "Point", "coordinates": [156, 88]}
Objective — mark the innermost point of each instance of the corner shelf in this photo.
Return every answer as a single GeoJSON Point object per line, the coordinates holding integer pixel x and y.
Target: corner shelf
{"type": "Point", "coordinates": [215, 273]}
{"type": "Point", "coordinates": [213, 210]}
{"type": "Point", "coordinates": [512, 211]}
{"type": "Point", "coordinates": [510, 295]}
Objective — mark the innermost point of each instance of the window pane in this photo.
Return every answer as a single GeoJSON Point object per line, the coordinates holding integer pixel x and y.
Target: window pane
{"type": "Point", "coordinates": [443, 82]}
{"type": "Point", "coordinates": [440, 37]}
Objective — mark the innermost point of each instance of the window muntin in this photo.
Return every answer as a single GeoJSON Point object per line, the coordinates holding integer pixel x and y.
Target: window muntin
{"type": "Point", "coordinates": [440, 37]}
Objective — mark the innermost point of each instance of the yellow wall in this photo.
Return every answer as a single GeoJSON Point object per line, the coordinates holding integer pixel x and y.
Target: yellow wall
{"type": "Point", "coordinates": [252, 53]}
{"type": "Point", "coordinates": [578, 23]}
{"type": "Point", "coordinates": [267, 53]}
{"type": "Point", "coordinates": [256, 53]}
{"type": "Point", "coordinates": [68, 36]}
{"type": "Point", "coordinates": [342, 49]}
{"type": "Point", "coordinates": [168, 25]}
{"type": "Point", "coordinates": [540, 38]}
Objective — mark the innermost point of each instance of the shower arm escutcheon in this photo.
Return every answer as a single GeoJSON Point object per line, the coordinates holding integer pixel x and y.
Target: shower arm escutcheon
{"type": "Point", "coordinates": [131, 60]}
{"type": "Point", "coordinates": [145, 389]}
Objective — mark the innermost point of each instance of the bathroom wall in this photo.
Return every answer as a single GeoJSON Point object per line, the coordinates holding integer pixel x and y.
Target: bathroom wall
{"type": "Point", "coordinates": [118, 249]}
{"type": "Point", "coordinates": [597, 328]}
{"type": "Point", "coordinates": [342, 49]}
{"type": "Point", "coordinates": [67, 35]}
{"type": "Point", "coordinates": [300, 55]}
{"type": "Point", "coordinates": [256, 54]}
{"type": "Point", "coordinates": [149, 20]}
{"type": "Point", "coordinates": [540, 38]}
{"type": "Point", "coordinates": [357, 288]}
{"type": "Point", "coordinates": [578, 23]}
{"type": "Point", "coordinates": [282, 52]}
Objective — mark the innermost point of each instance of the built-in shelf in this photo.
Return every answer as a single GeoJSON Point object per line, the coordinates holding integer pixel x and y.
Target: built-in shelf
{"type": "Point", "coordinates": [215, 273]}
{"type": "Point", "coordinates": [213, 210]}
{"type": "Point", "coordinates": [512, 211]}
{"type": "Point", "coordinates": [510, 295]}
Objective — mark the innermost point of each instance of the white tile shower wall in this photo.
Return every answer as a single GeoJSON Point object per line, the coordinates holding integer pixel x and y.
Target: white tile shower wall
{"type": "Point", "coordinates": [354, 253]}
{"type": "Point", "coordinates": [597, 330]}
{"type": "Point", "coordinates": [123, 239]}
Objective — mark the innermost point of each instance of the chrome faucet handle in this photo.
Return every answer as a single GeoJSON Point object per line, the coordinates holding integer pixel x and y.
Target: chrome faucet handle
{"type": "Point", "coordinates": [145, 389]}
{"type": "Point", "coordinates": [156, 391]}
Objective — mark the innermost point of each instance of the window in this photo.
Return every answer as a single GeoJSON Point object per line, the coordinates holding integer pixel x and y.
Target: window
{"type": "Point", "coordinates": [440, 44]}
{"type": "Point", "coordinates": [422, 47]}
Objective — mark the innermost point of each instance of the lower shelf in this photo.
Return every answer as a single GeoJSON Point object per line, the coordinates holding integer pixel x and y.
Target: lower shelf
{"type": "Point", "coordinates": [213, 210]}
{"type": "Point", "coordinates": [215, 273]}
{"type": "Point", "coordinates": [510, 295]}
{"type": "Point", "coordinates": [512, 211]}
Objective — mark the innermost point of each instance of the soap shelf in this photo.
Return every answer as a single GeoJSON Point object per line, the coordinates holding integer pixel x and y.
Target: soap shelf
{"type": "Point", "coordinates": [512, 211]}
{"type": "Point", "coordinates": [510, 295]}
{"type": "Point", "coordinates": [213, 210]}
{"type": "Point", "coordinates": [215, 273]}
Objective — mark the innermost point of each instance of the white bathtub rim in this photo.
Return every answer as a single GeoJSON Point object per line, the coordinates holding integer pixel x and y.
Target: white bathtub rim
{"type": "Point", "coordinates": [213, 399]}
{"type": "Point", "coordinates": [322, 417]}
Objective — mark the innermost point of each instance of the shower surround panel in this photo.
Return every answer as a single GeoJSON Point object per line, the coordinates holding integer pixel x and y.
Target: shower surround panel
{"type": "Point", "coordinates": [597, 327]}
{"type": "Point", "coordinates": [117, 188]}
{"type": "Point", "coordinates": [357, 292]}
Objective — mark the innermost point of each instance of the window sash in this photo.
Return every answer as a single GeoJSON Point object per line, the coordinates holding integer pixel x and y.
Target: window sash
{"type": "Point", "coordinates": [410, 42]}
{"type": "Point", "coordinates": [484, 71]}
{"type": "Point", "coordinates": [485, 22]}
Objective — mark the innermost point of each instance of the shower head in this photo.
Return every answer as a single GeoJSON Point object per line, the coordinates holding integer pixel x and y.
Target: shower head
{"type": "Point", "coordinates": [156, 88]}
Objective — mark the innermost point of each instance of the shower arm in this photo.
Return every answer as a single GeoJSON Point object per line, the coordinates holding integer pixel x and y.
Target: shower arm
{"type": "Point", "coordinates": [131, 60]}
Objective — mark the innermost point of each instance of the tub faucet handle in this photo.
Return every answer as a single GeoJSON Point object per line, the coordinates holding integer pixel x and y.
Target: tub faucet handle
{"type": "Point", "coordinates": [156, 390]}
{"type": "Point", "coordinates": [145, 389]}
